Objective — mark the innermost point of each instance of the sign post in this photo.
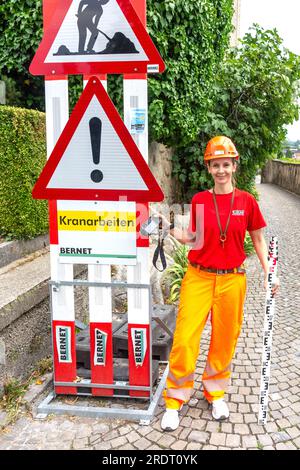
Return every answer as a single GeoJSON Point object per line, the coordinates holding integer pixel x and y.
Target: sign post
{"type": "Point", "coordinates": [63, 312]}
{"type": "Point", "coordinates": [98, 182]}
{"type": "Point", "coordinates": [139, 325]}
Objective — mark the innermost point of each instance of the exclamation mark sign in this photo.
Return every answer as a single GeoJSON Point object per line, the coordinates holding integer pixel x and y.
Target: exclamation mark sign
{"type": "Point", "coordinates": [95, 133]}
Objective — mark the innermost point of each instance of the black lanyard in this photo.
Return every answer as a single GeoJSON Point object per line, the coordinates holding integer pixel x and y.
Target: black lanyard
{"type": "Point", "coordinates": [159, 252]}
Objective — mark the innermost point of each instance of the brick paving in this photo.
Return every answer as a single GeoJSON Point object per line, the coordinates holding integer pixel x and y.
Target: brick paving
{"type": "Point", "coordinates": [197, 430]}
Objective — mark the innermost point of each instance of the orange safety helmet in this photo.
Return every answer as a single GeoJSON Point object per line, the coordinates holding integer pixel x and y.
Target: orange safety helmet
{"type": "Point", "coordinates": [220, 147]}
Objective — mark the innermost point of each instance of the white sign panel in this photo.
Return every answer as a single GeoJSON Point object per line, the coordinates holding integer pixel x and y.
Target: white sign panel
{"type": "Point", "coordinates": [63, 344]}
{"type": "Point", "coordinates": [139, 341]}
{"type": "Point", "coordinates": [97, 30]}
{"type": "Point", "coordinates": [100, 347]}
{"type": "Point", "coordinates": [95, 232]}
{"type": "Point", "coordinates": [118, 171]}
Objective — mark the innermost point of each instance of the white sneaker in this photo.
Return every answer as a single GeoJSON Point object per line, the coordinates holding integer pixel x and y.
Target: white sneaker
{"type": "Point", "coordinates": [170, 420]}
{"type": "Point", "coordinates": [220, 409]}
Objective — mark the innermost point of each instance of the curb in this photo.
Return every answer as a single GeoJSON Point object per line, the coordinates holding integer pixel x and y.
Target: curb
{"type": "Point", "coordinates": [11, 251]}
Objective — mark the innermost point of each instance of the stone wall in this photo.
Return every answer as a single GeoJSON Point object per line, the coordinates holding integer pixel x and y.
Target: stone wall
{"type": "Point", "coordinates": [160, 163]}
{"type": "Point", "coordinates": [286, 175]}
{"type": "Point", "coordinates": [25, 341]}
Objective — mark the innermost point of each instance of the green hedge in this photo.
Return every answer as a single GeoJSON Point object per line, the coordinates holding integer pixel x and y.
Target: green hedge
{"type": "Point", "coordinates": [22, 157]}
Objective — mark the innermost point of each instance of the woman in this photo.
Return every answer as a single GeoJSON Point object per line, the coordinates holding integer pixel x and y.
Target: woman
{"type": "Point", "coordinates": [215, 282]}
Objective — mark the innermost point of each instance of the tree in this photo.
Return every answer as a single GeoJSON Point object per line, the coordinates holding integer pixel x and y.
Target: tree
{"type": "Point", "coordinates": [191, 35]}
{"type": "Point", "coordinates": [256, 93]}
{"type": "Point", "coordinates": [20, 35]}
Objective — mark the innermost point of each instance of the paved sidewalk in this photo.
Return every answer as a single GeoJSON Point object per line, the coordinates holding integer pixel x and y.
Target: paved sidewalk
{"type": "Point", "coordinates": [197, 430]}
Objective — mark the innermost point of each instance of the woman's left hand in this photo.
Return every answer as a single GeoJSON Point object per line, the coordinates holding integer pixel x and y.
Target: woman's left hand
{"type": "Point", "coordinates": [275, 284]}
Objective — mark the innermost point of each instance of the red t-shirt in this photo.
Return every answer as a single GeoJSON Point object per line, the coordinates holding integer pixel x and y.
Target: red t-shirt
{"type": "Point", "coordinates": [245, 215]}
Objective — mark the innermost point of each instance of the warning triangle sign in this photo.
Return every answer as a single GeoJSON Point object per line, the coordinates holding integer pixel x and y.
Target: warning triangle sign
{"type": "Point", "coordinates": [96, 36]}
{"type": "Point", "coordinates": [95, 157]}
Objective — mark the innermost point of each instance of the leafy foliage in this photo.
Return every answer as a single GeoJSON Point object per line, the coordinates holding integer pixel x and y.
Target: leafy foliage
{"type": "Point", "coordinates": [249, 96]}
{"type": "Point", "coordinates": [22, 157]}
{"type": "Point", "coordinates": [290, 160]}
{"type": "Point", "coordinates": [191, 35]}
{"type": "Point", "coordinates": [12, 400]}
{"type": "Point", "coordinates": [248, 245]}
{"type": "Point", "coordinates": [14, 390]}
{"type": "Point", "coordinates": [255, 97]}
{"type": "Point", "coordinates": [177, 270]}
{"type": "Point", "coordinates": [20, 35]}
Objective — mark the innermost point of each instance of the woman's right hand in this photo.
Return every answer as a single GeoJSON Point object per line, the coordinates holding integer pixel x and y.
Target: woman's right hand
{"type": "Point", "coordinates": [162, 218]}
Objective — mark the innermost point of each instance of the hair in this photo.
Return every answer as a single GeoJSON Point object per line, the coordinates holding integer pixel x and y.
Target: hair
{"type": "Point", "coordinates": [232, 159]}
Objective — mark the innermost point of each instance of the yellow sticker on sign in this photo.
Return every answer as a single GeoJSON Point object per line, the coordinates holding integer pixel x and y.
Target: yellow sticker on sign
{"type": "Point", "coordinates": [95, 221]}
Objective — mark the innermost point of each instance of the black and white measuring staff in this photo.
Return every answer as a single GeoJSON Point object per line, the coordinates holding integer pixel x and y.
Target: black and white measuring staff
{"type": "Point", "coordinates": [268, 331]}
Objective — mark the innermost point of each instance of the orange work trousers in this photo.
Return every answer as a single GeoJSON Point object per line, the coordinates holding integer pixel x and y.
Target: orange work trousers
{"type": "Point", "coordinates": [201, 292]}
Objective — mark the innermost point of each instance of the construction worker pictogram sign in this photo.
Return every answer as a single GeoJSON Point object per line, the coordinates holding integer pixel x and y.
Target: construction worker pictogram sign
{"type": "Point", "coordinates": [95, 157]}
{"type": "Point", "coordinates": [96, 36]}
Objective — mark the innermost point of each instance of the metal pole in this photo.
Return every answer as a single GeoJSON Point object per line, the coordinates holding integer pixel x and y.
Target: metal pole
{"type": "Point", "coordinates": [139, 308]}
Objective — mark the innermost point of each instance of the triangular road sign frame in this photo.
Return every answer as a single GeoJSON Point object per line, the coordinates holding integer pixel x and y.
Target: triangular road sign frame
{"type": "Point", "coordinates": [90, 67]}
{"type": "Point", "coordinates": [153, 192]}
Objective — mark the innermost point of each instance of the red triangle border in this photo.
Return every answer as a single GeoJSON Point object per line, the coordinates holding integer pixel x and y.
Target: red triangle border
{"type": "Point", "coordinates": [40, 190]}
{"type": "Point", "coordinates": [39, 67]}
